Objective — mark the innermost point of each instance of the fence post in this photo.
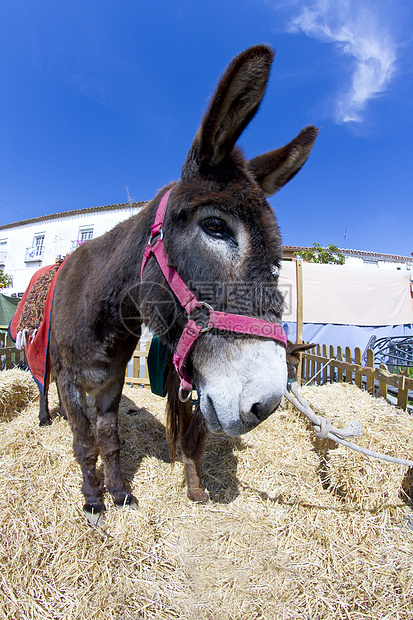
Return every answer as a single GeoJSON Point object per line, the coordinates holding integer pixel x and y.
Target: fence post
{"type": "Point", "coordinates": [299, 288]}
{"type": "Point", "coordinates": [332, 367]}
{"type": "Point", "coordinates": [325, 369]}
{"type": "Point", "coordinates": [349, 359]}
{"type": "Point", "coordinates": [339, 369]}
{"type": "Point", "coordinates": [146, 372]}
{"type": "Point", "coordinates": [358, 377]}
{"type": "Point", "coordinates": [370, 379]}
{"type": "Point", "coordinates": [299, 293]}
{"type": "Point", "coordinates": [383, 384]}
{"type": "Point", "coordinates": [403, 392]}
{"type": "Point", "coordinates": [312, 365]}
{"type": "Point", "coordinates": [136, 362]}
{"type": "Point", "coordinates": [318, 365]}
{"type": "Point", "coordinates": [301, 369]}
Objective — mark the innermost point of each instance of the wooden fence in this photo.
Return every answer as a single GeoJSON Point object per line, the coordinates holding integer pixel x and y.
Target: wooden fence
{"type": "Point", "coordinates": [9, 355]}
{"type": "Point", "coordinates": [328, 365]}
{"type": "Point", "coordinates": [323, 366]}
{"type": "Point", "coordinates": [12, 357]}
{"type": "Point", "coordinates": [140, 375]}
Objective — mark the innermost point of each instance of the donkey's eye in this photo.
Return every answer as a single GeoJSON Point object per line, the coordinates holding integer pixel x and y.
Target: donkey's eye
{"type": "Point", "coordinates": [216, 227]}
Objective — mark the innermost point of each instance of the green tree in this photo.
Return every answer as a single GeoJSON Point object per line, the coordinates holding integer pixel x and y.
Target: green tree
{"type": "Point", "coordinates": [318, 254]}
{"type": "Point", "coordinates": [5, 280]}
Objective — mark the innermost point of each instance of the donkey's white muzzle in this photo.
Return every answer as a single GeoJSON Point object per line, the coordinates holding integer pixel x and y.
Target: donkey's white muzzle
{"type": "Point", "coordinates": [241, 385]}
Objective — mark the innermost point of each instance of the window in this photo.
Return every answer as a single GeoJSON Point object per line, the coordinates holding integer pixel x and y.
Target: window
{"type": "Point", "coordinates": [370, 261]}
{"type": "Point", "coordinates": [35, 253]}
{"type": "Point", "coordinates": [38, 244]}
{"type": "Point", "coordinates": [85, 233]}
{"type": "Point", "coordinates": [3, 253]}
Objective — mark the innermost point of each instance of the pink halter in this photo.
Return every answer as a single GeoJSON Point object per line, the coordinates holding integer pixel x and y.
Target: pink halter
{"type": "Point", "coordinates": [217, 320]}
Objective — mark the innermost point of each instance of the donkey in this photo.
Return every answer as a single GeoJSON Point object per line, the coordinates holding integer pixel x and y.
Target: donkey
{"type": "Point", "coordinates": [214, 246]}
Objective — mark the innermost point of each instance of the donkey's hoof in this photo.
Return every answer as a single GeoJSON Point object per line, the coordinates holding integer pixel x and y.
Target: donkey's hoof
{"type": "Point", "coordinates": [199, 496]}
{"type": "Point", "coordinates": [94, 514]}
{"type": "Point", "coordinates": [45, 421]}
{"type": "Point", "coordinates": [129, 501]}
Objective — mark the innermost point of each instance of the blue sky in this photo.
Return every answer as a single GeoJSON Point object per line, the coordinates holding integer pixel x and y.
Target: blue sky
{"type": "Point", "coordinates": [99, 96]}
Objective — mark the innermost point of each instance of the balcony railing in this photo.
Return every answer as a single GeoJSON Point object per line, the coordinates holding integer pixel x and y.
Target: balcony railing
{"type": "Point", "coordinates": [34, 254]}
{"type": "Point", "coordinates": [75, 244]}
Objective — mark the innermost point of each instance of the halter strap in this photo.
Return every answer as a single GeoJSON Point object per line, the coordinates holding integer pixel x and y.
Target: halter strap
{"type": "Point", "coordinates": [224, 321]}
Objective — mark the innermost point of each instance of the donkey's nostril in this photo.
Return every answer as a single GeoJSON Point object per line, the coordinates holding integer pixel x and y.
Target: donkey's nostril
{"type": "Point", "coordinates": [256, 410]}
{"type": "Point", "coordinates": [259, 411]}
{"type": "Point", "coordinates": [262, 410]}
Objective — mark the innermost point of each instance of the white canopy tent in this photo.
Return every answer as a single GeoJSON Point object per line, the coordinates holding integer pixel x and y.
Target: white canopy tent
{"type": "Point", "coordinates": [345, 305]}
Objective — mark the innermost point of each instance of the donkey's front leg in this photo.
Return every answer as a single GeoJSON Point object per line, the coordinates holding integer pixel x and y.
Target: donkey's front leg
{"type": "Point", "coordinates": [193, 435]}
{"type": "Point", "coordinates": [107, 437]}
{"type": "Point", "coordinates": [84, 444]}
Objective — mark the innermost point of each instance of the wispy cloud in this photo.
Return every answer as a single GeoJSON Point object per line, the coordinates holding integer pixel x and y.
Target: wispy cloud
{"type": "Point", "coordinates": [360, 32]}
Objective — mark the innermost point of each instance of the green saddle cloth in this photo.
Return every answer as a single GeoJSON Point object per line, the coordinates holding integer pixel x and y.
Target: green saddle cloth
{"type": "Point", "coordinates": [157, 358]}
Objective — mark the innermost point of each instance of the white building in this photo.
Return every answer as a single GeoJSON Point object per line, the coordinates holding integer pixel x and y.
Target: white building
{"type": "Point", "coordinates": [361, 258]}
{"type": "Point", "coordinates": [382, 261]}
{"type": "Point", "coordinates": [30, 244]}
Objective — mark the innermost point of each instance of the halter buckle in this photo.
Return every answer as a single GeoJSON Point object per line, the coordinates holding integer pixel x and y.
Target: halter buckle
{"type": "Point", "coordinates": [210, 309]}
{"type": "Point", "coordinates": [184, 399]}
{"type": "Point", "coordinates": [154, 236]}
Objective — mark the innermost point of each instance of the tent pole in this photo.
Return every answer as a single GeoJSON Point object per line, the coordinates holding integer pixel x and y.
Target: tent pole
{"type": "Point", "coordinates": [299, 290]}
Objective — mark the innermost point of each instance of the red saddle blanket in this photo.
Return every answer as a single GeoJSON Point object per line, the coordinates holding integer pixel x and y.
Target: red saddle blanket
{"type": "Point", "coordinates": [30, 326]}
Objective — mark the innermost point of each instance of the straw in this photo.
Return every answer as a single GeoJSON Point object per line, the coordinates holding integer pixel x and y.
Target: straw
{"type": "Point", "coordinates": [17, 389]}
{"type": "Point", "coordinates": [278, 540]}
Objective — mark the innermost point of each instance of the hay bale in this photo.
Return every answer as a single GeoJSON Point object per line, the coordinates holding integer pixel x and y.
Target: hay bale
{"type": "Point", "coordinates": [17, 389]}
{"type": "Point", "coordinates": [271, 543]}
{"type": "Point", "coordinates": [355, 478]}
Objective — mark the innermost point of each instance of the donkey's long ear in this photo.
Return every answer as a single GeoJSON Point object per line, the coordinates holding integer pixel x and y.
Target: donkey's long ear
{"type": "Point", "coordinates": [235, 102]}
{"type": "Point", "coordinates": [274, 169]}
{"type": "Point", "coordinates": [294, 347]}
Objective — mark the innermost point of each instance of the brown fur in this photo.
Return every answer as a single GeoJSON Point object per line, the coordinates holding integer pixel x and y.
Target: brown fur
{"type": "Point", "coordinates": [294, 350]}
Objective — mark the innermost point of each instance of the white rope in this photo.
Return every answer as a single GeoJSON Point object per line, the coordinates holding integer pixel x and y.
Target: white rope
{"type": "Point", "coordinates": [21, 339]}
{"type": "Point", "coordinates": [322, 426]}
{"type": "Point", "coordinates": [24, 337]}
{"type": "Point", "coordinates": [324, 429]}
